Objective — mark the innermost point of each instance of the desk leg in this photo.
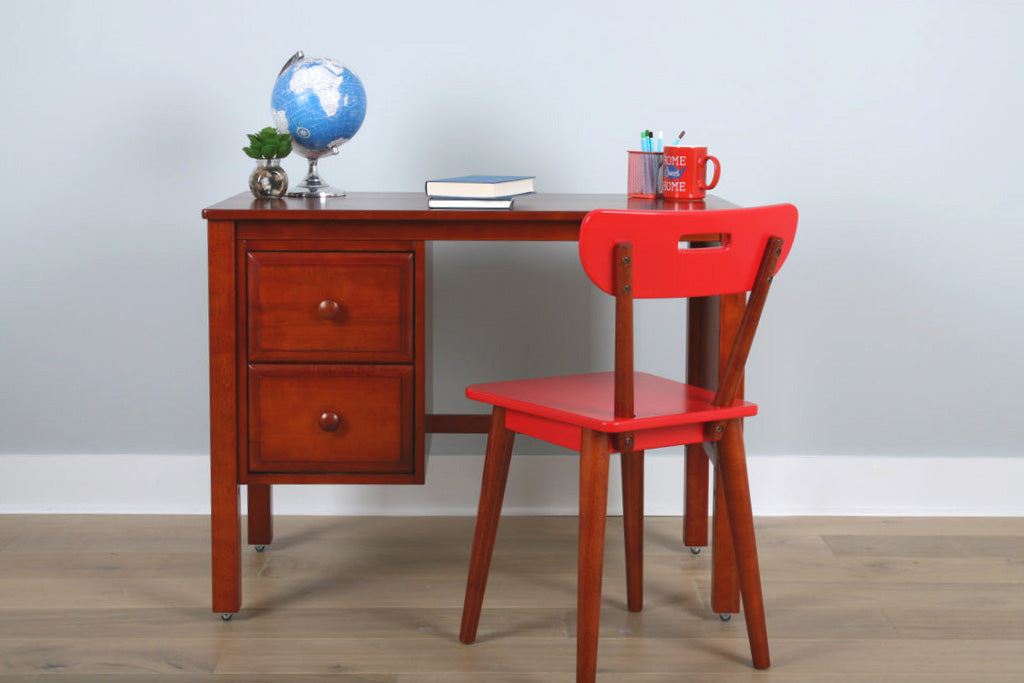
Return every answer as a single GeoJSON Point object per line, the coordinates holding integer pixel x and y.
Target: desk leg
{"type": "Point", "coordinates": [226, 539]}
{"type": "Point", "coordinates": [712, 323]}
{"type": "Point", "coordinates": [725, 578]}
{"type": "Point", "coordinates": [225, 520]}
{"type": "Point", "coordinates": [725, 573]}
{"type": "Point", "coordinates": [261, 524]}
{"type": "Point", "coordinates": [702, 317]}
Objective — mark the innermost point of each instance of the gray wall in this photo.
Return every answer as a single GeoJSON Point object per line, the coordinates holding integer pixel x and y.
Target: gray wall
{"type": "Point", "coordinates": [893, 126]}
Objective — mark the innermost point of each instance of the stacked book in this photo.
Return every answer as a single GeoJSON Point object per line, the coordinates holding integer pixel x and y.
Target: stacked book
{"type": "Point", "coordinates": [477, 191]}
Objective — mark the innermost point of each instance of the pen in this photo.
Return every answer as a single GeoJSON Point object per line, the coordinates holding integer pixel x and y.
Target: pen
{"type": "Point", "coordinates": [660, 142]}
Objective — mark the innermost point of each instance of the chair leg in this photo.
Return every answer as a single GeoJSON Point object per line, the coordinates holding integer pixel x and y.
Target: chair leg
{"type": "Point", "coordinates": [492, 494]}
{"type": "Point", "coordinates": [633, 526]}
{"type": "Point", "coordinates": [725, 581]}
{"type": "Point", "coordinates": [593, 511]}
{"type": "Point", "coordinates": [732, 463]}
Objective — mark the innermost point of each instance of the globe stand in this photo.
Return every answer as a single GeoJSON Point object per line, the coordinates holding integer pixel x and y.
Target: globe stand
{"type": "Point", "coordinates": [313, 185]}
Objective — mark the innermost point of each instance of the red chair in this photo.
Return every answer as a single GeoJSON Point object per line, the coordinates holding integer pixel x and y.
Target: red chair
{"type": "Point", "coordinates": [630, 255]}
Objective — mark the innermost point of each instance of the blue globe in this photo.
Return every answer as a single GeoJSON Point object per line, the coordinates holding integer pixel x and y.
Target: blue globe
{"type": "Point", "coordinates": [319, 101]}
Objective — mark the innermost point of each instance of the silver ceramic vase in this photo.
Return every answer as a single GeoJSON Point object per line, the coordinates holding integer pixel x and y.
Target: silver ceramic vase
{"type": "Point", "coordinates": [268, 179]}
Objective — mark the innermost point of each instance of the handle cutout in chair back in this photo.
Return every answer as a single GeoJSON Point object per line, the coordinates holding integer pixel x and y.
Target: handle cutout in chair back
{"type": "Point", "coordinates": [700, 241]}
{"type": "Point", "coordinates": [729, 243]}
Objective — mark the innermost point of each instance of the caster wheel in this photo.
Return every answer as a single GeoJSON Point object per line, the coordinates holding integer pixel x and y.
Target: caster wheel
{"type": "Point", "coordinates": [260, 548]}
{"type": "Point", "coordinates": [725, 617]}
{"type": "Point", "coordinates": [695, 550]}
{"type": "Point", "coordinates": [226, 616]}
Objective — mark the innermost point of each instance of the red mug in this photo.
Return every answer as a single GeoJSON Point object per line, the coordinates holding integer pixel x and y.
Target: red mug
{"type": "Point", "coordinates": [685, 172]}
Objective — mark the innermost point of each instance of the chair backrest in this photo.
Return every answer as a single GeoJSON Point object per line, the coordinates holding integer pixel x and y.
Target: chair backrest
{"type": "Point", "coordinates": [668, 254]}
{"type": "Point", "coordinates": [664, 267]}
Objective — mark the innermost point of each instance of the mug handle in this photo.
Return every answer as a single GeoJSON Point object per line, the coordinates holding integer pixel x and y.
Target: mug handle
{"type": "Point", "coordinates": [718, 171]}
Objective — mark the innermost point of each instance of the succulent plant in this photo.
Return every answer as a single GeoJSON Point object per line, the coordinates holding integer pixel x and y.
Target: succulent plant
{"type": "Point", "coordinates": [269, 144]}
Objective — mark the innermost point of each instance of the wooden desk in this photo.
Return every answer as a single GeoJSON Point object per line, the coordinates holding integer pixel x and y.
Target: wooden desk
{"type": "Point", "coordinates": [317, 345]}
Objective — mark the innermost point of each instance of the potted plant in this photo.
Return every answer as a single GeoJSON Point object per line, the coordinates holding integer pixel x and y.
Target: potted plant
{"type": "Point", "coordinates": [268, 147]}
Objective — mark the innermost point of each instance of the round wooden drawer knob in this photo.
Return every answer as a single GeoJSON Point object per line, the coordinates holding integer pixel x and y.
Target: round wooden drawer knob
{"type": "Point", "coordinates": [328, 309]}
{"type": "Point", "coordinates": [329, 422]}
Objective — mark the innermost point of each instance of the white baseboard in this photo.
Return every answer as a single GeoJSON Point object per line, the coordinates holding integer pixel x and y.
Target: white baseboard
{"type": "Point", "coordinates": [538, 485]}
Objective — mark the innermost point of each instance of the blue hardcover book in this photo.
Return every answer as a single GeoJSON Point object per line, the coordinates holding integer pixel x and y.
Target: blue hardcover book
{"type": "Point", "coordinates": [481, 186]}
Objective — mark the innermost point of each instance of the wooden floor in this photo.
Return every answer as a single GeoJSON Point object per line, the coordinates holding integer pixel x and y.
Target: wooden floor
{"type": "Point", "coordinates": [98, 598]}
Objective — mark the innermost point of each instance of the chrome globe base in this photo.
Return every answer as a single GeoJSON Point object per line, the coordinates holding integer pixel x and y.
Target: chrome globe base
{"type": "Point", "coordinates": [313, 186]}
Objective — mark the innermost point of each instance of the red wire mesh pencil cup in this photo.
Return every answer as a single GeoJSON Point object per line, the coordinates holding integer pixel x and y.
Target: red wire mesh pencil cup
{"type": "Point", "coordinates": [644, 178]}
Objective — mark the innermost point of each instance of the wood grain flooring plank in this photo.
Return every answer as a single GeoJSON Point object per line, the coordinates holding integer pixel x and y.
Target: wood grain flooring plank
{"type": "Point", "coordinates": [19, 564]}
{"type": "Point", "coordinates": [892, 526]}
{"type": "Point", "coordinates": [398, 655]}
{"type": "Point", "coordinates": [347, 622]}
{"type": "Point", "coordinates": [753, 676]}
{"type": "Point", "coordinates": [199, 678]}
{"type": "Point", "coordinates": [932, 546]}
{"type": "Point", "coordinates": [982, 623]}
{"type": "Point", "coordinates": [71, 657]}
{"type": "Point", "coordinates": [792, 594]}
{"type": "Point", "coordinates": [624, 657]}
{"type": "Point", "coordinates": [85, 592]}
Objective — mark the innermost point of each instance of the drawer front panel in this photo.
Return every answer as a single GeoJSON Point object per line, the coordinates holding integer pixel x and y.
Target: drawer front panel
{"type": "Point", "coordinates": [331, 418]}
{"type": "Point", "coordinates": [331, 306]}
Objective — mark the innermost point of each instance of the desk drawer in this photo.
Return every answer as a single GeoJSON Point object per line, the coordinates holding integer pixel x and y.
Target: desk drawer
{"type": "Point", "coordinates": [331, 418]}
{"type": "Point", "coordinates": [330, 306]}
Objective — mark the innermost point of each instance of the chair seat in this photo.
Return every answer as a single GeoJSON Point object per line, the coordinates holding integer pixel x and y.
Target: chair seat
{"type": "Point", "coordinates": [587, 401]}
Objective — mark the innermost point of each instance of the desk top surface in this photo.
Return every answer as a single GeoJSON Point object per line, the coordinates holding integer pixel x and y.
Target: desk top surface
{"type": "Point", "coordinates": [412, 206]}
